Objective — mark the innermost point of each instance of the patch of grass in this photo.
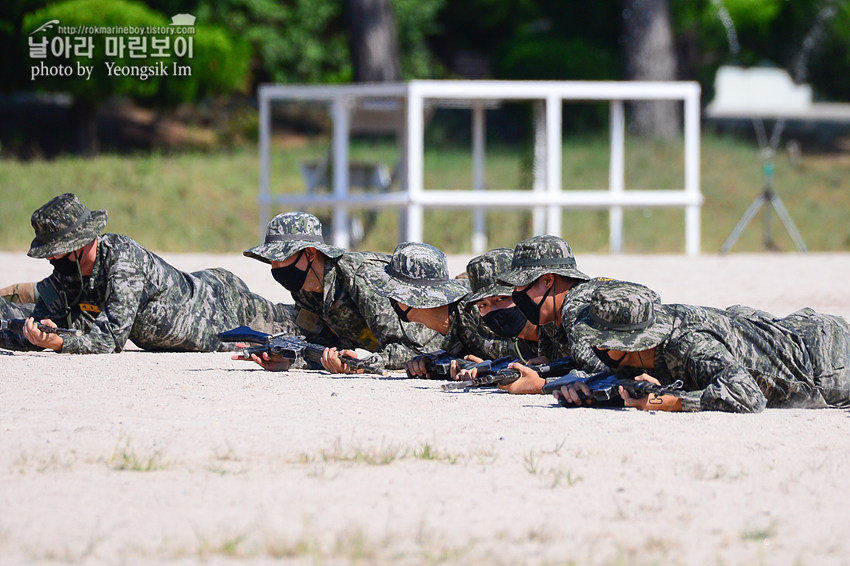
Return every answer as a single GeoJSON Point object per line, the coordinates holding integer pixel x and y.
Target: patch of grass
{"type": "Point", "coordinates": [531, 463]}
{"type": "Point", "coordinates": [759, 534]}
{"type": "Point", "coordinates": [230, 546]}
{"type": "Point", "coordinates": [307, 546]}
{"type": "Point", "coordinates": [432, 549]}
{"type": "Point", "coordinates": [352, 546]}
{"type": "Point", "coordinates": [124, 459]}
{"type": "Point", "coordinates": [207, 201]}
{"type": "Point", "coordinates": [378, 456]}
{"type": "Point", "coordinates": [43, 464]}
{"type": "Point", "coordinates": [356, 547]}
{"type": "Point", "coordinates": [551, 476]}
{"type": "Point", "coordinates": [563, 477]}
{"type": "Point", "coordinates": [485, 457]}
{"type": "Point", "coordinates": [427, 452]}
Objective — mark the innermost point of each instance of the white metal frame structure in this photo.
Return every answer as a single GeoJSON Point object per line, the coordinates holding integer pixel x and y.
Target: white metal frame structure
{"type": "Point", "coordinates": [546, 199]}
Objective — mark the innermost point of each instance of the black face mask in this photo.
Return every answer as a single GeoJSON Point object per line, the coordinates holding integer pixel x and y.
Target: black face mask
{"type": "Point", "coordinates": [66, 266]}
{"type": "Point", "coordinates": [290, 276]}
{"type": "Point", "coordinates": [606, 358]}
{"type": "Point", "coordinates": [402, 314]}
{"type": "Point", "coordinates": [527, 306]}
{"type": "Point", "coordinates": [505, 323]}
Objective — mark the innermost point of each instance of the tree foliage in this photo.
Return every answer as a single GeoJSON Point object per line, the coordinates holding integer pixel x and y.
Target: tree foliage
{"type": "Point", "coordinates": [305, 41]}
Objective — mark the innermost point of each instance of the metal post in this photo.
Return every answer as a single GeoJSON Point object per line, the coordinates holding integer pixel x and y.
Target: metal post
{"type": "Point", "coordinates": [479, 125]}
{"type": "Point", "coordinates": [768, 190]}
{"type": "Point", "coordinates": [554, 150]}
{"type": "Point", "coordinates": [401, 173]}
{"type": "Point", "coordinates": [616, 175]}
{"type": "Point", "coordinates": [415, 157]}
{"type": "Point", "coordinates": [264, 201]}
{"type": "Point", "coordinates": [692, 149]}
{"type": "Point", "coordinates": [340, 109]}
{"type": "Point", "coordinates": [538, 214]}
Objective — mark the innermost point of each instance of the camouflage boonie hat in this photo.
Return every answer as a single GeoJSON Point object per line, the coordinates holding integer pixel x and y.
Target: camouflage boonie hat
{"type": "Point", "coordinates": [288, 234]}
{"type": "Point", "coordinates": [538, 256]}
{"type": "Point", "coordinates": [418, 276]}
{"type": "Point", "coordinates": [483, 271]}
{"type": "Point", "coordinates": [623, 316]}
{"type": "Point", "coordinates": [64, 225]}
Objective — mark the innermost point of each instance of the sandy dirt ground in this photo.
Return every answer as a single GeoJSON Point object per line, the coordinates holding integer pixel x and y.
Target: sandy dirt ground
{"type": "Point", "coordinates": [140, 458]}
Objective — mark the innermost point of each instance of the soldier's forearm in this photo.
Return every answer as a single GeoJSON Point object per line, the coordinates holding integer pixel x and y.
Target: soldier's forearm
{"type": "Point", "coordinates": [396, 354]}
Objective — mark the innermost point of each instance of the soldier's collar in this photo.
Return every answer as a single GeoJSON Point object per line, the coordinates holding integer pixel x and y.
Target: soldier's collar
{"type": "Point", "coordinates": [454, 322]}
{"type": "Point", "coordinates": [661, 371]}
{"type": "Point", "coordinates": [329, 283]}
{"type": "Point", "coordinates": [97, 272]}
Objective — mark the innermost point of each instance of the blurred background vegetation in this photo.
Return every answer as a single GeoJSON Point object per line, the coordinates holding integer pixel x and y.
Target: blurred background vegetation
{"type": "Point", "coordinates": [175, 160]}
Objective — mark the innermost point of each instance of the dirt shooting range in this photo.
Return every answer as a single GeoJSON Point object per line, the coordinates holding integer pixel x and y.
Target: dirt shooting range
{"type": "Point", "coordinates": [700, 149]}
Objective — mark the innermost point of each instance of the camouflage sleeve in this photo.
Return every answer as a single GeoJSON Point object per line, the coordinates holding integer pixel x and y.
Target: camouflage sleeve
{"type": "Point", "coordinates": [419, 339]}
{"type": "Point", "coordinates": [715, 380]}
{"type": "Point", "coordinates": [11, 340]}
{"type": "Point", "coordinates": [125, 281]}
{"type": "Point", "coordinates": [587, 363]}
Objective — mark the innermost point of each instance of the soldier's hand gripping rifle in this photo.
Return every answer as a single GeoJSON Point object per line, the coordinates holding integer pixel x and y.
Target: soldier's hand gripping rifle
{"type": "Point", "coordinates": [605, 386]}
{"type": "Point", "coordinates": [16, 325]}
{"type": "Point", "coordinates": [483, 368]}
{"type": "Point", "coordinates": [288, 346]}
{"type": "Point", "coordinates": [438, 364]}
{"type": "Point", "coordinates": [506, 375]}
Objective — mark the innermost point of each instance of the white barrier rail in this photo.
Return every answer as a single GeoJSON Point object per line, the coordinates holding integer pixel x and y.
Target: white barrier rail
{"type": "Point", "coordinates": [547, 199]}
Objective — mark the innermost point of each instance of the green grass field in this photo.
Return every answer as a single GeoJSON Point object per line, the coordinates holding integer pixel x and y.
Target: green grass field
{"type": "Point", "coordinates": [206, 201]}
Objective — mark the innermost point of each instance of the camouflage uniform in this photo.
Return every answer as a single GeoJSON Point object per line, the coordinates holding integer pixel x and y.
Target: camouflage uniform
{"type": "Point", "coordinates": [348, 314]}
{"type": "Point", "coordinates": [538, 256]}
{"type": "Point", "coordinates": [417, 276]}
{"type": "Point", "coordinates": [482, 272]}
{"type": "Point", "coordinates": [134, 294]}
{"type": "Point", "coordinates": [739, 359]}
{"type": "Point", "coordinates": [9, 310]}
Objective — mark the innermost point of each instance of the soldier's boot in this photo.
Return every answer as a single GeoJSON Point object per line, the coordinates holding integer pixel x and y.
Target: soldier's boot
{"type": "Point", "coordinates": [19, 293]}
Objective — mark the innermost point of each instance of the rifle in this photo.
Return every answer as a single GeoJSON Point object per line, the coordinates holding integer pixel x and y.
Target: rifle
{"type": "Point", "coordinates": [605, 386]}
{"type": "Point", "coordinates": [16, 325]}
{"type": "Point", "coordinates": [288, 346]}
{"type": "Point", "coordinates": [439, 364]}
{"type": "Point", "coordinates": [506, 375]}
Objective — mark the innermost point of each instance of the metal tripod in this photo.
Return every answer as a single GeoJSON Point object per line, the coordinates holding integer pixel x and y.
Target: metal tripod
{"type": "Point", "coordinates": [767, 196]}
